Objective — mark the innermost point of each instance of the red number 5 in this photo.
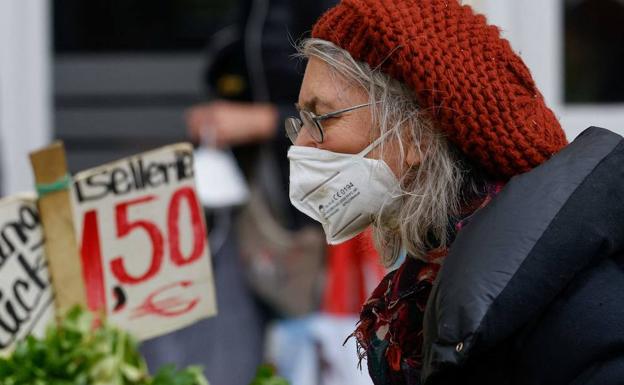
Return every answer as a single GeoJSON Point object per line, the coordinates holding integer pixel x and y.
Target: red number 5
{"type": "Point", "coordinates": [124, 227]}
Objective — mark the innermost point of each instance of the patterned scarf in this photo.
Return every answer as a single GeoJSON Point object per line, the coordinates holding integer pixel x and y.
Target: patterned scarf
{"type": "Point", "coordinates": [390, 331]}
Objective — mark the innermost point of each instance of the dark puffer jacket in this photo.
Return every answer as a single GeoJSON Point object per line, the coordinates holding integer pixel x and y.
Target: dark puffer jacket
{"type": "Point", "coordinates": [532, 291]}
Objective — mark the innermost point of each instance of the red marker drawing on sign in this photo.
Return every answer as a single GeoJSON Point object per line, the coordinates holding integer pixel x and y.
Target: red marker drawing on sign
{"type": "Point", "coordinates": [173, 306]}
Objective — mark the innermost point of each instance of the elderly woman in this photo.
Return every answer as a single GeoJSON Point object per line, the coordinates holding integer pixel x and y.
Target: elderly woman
{"type": "Point", "coordinates": [417, 118]}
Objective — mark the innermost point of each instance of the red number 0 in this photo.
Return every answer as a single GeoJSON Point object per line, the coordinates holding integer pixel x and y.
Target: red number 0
{"type": "Point", "coordinates": [124, 227]}
{"type": "Point", "coordinates": [199, 240]}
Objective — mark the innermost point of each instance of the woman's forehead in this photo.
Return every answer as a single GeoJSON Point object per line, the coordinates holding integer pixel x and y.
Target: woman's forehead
{"type": "Point", "coordinates": [325, 88]}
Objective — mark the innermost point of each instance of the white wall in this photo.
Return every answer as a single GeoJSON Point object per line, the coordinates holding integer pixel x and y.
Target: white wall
{"type": "Point", "coordinates": [25, 97]}
{"type": "Point", "coordinates": [535, 30]}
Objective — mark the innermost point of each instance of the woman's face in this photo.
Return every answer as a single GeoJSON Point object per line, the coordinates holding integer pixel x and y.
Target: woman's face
{"type": "Point", "coordinates": [324, 91]}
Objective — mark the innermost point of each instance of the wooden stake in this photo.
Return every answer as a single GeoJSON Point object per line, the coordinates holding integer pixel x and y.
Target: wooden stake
{"type": "Point", "coordinates": [54, 187]}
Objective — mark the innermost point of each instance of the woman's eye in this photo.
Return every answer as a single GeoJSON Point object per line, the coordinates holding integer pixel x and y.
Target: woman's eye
{"type": "Point", "coordinates": [328, 121]}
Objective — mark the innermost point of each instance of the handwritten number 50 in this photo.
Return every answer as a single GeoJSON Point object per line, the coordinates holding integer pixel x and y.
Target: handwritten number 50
{"type": "Point", "coordinates": [125, 227]}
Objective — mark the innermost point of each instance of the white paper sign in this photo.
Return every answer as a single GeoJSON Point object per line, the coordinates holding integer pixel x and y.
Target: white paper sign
{"type": "Point", "coordinates": [26, 300]}
{"type": "Point", "coordinates": [143, 242]}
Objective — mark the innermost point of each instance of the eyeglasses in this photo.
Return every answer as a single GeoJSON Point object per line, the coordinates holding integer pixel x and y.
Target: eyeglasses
{"type": "Point", "coordinates": [312, 123]}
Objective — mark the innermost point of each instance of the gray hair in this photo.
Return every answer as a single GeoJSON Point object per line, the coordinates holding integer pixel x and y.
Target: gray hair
{"type": "Point", "coordinates": [431, 193]}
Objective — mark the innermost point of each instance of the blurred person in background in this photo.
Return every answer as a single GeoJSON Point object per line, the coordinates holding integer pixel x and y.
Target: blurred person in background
{"type": "Point", "coordinates": [250, 82]}
{"type": "Point", "coordinates": [415, 116]}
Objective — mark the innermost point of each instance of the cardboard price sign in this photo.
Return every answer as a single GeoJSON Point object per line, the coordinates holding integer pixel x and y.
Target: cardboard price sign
{"type": "Point", "coordinates": [143, 242]}
{"type": "Point", "coordinates": [26, 299]}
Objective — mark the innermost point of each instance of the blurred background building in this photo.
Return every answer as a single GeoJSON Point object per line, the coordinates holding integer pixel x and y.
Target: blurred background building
{"type": "Point", "coordinates": [124, 71]}
{"type": "Point", "coordinates": [109, 78]}
{"type": "Point", "coordinates": [112, 77]}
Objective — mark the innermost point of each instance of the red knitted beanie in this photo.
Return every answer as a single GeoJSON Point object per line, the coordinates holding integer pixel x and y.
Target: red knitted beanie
{"type": "Point", "coordinates": [478, 91]}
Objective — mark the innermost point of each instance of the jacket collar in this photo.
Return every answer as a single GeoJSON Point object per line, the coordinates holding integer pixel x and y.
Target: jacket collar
{"type": "Point", "coordinates": [521, 250]}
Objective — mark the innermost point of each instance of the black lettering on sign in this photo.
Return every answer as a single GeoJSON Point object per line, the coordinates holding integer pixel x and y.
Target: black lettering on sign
{"type": "Point", "coordinates": [18, 232]}
{"type": "Point", "coordinates": [135, 175]}
{"type": "Point", "coordinates": [96, 184]}
{"type": "Point", "coordinates": [184, 164]}
{"type": "Point", "coordinates": [23, 275]}
{"type": "Point", "coordinates": [120, 181]}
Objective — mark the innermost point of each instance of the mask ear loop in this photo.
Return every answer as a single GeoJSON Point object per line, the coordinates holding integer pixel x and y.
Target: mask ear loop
{"type": "Point", "coordinates": [379, 140]}
{"type": "Point", "coordinates": [375, 143]}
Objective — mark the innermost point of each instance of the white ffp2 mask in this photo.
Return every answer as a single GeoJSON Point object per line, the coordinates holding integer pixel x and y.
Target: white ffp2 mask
{"type": "Point", "coordinates": [344, 192]}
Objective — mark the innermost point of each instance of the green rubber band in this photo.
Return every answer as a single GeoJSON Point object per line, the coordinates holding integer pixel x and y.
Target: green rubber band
{"type": "Point", "coordinates": [61, 184]}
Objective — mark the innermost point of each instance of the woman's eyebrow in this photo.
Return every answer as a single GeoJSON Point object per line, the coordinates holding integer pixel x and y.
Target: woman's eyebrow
{"type": "Point", "coordinates": [308, 105]}
{"type": "Point", "coordinates": [312, 104]}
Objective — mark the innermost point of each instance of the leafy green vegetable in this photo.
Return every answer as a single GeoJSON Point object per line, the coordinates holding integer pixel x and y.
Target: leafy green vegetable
{"type": "Point", "coordinates": [168, 375]}
{"type": "Point", "coordinates": [74, 353]}
{"type": "Point", "coordinates": [266, 376]}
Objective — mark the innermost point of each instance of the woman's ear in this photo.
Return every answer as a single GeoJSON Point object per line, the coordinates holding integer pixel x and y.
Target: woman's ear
{"type": "Point", "coordinates": [412, 157]}
{"type": "Point", "coordinates": [413, 153]}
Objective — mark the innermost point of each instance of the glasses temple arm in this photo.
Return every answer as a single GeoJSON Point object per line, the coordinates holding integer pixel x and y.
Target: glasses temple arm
{"type": "Point", "coordinates": [334, 113]}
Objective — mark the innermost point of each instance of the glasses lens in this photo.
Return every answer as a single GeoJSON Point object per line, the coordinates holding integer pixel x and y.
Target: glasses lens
{"type": "Point", "coordinates": [293, 126]}
{"type": "Point", "coordinates": [314, 129]}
